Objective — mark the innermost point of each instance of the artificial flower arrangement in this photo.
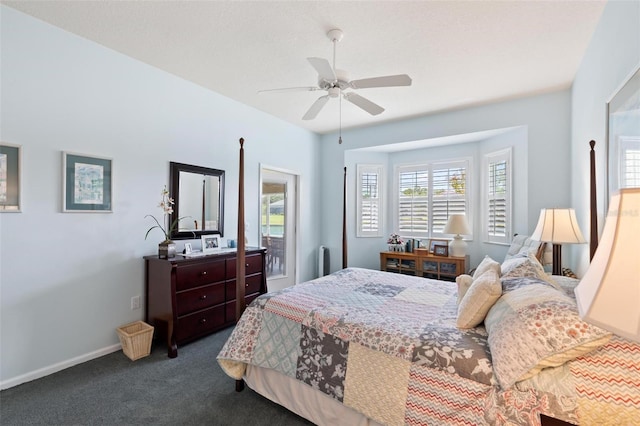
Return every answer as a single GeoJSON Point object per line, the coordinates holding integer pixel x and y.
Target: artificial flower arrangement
{"type": "Point", "coordinates": [394, 239]}
{"type": "Point", "coordinates": [166, 204]}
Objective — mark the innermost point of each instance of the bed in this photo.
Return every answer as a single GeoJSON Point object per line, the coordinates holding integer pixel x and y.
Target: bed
{"type": "Point", "coordinates": [503, 346]}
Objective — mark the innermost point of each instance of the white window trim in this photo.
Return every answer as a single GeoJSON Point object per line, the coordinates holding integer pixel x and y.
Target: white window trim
{"type": "Point", "coordinates": [360, 170]}
{"type": "Point", "coordinates": [492, 157]}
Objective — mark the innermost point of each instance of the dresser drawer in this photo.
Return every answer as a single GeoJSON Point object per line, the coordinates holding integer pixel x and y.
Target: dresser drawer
{"type": "Point", "coordinates": [199, 298]}
{"type": "Point", "coordinates": [199, 323]}
{"type": "Point", "coordinates": [253, 265]}
{"type": "Point", "coordinates": [230, 307]}
{"type": "Point", "coordinates": [198, 274]}
{"type": "Point", "coordinates": [252, 285]}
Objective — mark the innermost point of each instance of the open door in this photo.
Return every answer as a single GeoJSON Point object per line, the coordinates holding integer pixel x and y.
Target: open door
{"type": "Point", "coordinates": [279, 216]}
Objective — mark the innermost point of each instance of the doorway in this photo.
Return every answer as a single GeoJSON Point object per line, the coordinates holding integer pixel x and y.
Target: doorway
{"type": "Point", "coordinates": [279, 216]}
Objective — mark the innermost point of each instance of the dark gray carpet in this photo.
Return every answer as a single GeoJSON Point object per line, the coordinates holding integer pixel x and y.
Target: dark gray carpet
{"type": "Point", "coordinates": [156, 390]}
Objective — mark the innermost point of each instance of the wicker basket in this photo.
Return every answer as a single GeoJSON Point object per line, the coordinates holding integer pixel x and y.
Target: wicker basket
{"type": "Point", "coordinates": [136, 339]}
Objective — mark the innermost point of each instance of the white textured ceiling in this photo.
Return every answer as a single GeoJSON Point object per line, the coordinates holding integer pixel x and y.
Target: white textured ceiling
{"type": "Point", "coordinates": [458, 53]}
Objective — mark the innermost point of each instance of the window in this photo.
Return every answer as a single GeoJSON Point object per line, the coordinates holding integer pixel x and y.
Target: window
{"type": "Point", "coordinates": [369, 203]}
{"type": "Point", "coordinates": [427, 194]}
{"type": "Point", "coordinates": [629, 162]}
{"type": "Point", "coordinates": [497, 174]}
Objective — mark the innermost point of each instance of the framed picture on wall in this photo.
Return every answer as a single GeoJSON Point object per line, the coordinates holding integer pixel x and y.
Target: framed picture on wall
{"type": "Point", "coordinates": [10, 171]}
{"type": "Point", "coordinates": [623, 136]}
{"type": "Point", "coordinates": [210, 243]}
{"type": "Point", "coordinates": [87, 183]}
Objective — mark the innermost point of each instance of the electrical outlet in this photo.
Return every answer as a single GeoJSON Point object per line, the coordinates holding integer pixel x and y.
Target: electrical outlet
{"type": "Point", "coordinates": [135, 302]}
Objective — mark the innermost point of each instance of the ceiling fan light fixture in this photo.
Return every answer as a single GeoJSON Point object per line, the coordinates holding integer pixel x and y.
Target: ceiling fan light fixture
{"type": "Point", "coordinates": [335, 82]}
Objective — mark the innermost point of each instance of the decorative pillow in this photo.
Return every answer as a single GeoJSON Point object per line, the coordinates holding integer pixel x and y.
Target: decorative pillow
{"type": "Point", "coordinates": [464, 282]}
{"type": "Point", "coordinates": [477, 301]}
{"type": "Point", "coordinates": [526, 266]}
{"type": "Point", "coordinates": [486, 264]}
{"type": "Point", "coordinates": [534, 326]}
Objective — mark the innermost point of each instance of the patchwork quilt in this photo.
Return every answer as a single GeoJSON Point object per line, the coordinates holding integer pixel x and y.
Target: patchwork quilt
{"type": "Point", "coordinates": [387, 346]}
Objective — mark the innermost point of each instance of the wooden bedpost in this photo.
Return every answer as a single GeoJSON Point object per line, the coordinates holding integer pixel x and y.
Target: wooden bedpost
{"type": "Point", "coordinates": [240, 256]}
{"type": "Point", "coordinates": [344, 220]}
{"type": "Point", "coordinates": [593, 238]}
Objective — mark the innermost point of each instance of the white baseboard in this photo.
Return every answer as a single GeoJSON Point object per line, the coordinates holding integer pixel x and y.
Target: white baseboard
{"type": "Point", "coordinates": [45, 371]}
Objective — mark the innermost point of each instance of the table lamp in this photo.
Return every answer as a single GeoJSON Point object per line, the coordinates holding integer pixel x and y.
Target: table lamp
{"type": "Point", "coordinates": [558, 226]}
{"type": "Point", "coordinates": [609, 294]}
{"type": "Point", "coordinates": [456, 225]}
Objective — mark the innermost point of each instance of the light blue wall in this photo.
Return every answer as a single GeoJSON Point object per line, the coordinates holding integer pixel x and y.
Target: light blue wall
{"type": "Point", "coordinates": [546, 183]}
{"type": "Point", "coordinates": [67, 278]}
{"type": "Point", "coordinates": [612, 55]}
{"type": "Point", "coordinates": [362, 251]}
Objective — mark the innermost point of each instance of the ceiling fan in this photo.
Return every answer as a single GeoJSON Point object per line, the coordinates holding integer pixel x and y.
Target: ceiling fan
{"type": "Point", "coordinates": [335, 82]}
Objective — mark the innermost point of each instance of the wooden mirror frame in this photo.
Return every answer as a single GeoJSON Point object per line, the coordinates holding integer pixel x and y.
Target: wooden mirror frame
{"type": "Point", "coordinates": [174, 190]}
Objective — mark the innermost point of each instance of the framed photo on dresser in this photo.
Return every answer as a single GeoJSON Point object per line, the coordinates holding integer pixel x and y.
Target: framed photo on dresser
{"type": "Point", "coordinates": [210, 243]}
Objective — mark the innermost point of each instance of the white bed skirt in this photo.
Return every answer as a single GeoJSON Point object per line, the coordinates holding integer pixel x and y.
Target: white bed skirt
{"type": "Point", "coordinates": [302, 399]}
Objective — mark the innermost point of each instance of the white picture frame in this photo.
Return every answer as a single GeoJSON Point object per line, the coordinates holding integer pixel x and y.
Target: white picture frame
{"type": "Point", "coordinates": [187, 248]}
{"type": "Point", "coordinates": [210, 243]}
{"type": "Point", "coordinates": [10, 178]}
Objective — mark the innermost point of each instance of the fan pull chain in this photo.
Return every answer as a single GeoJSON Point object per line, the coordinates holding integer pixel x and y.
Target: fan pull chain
{"type": "Point", "coordinates": [335, 40]}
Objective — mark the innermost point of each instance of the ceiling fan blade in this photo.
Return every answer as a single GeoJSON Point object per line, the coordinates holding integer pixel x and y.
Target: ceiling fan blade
{"type": "Point", "coordinates": [386, 81]}
{"type": "Point", "coordinates": [323, 67]}
{"type": "Point", "coordinates": [316, 107]}
{"type": "Point", "coordinates": [363, 103]}
{"type": "Point", "coordinates": [292, 89]}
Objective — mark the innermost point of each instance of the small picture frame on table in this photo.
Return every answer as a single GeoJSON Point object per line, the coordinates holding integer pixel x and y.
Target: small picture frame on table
{"type": "Point", "coordinates": [434, 243]}
{"type": "Point", "coordinates": [441, 250]}
{"type": "Point", "coordinates": [210, 243]}
{"type": "Point", "coordinates": [87, 183]}
{"type": "Point", "coordinates": [187, 248]}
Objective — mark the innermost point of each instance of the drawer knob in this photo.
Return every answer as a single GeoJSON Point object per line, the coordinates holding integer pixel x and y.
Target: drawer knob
{"type": "Point", "coordinates": [246, 284]}
{"type": "Point", "coordinates": [203, 320]}
{"type": "Point", "coordinates": [204, 296]}
{"type": "Point", "coordinates": [247, 265]}
{"type": "Point", "coordinates": [204, 272]}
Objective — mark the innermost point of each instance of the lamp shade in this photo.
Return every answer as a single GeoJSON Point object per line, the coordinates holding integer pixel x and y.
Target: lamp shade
{"type": "Point", "coordinates": [558, 226]}
{"type": "Point", "coordinates": [609, 294]}
{"type": "Point", "coordinates": [457, 224]}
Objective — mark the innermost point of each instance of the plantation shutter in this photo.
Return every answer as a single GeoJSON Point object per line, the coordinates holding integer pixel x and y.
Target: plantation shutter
{"type": "Point", "coordinates": [498, 197]}
{"type": "Point", "coordinates": [369, 200]}
{"type": "Point", "coordinates": [413, 201]}
{"type": "Point", "coordinates": [449, 184]}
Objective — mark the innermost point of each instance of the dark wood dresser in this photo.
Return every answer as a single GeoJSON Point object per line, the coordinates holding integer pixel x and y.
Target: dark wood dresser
{"type": "Point", "coordinates": [187, 298]}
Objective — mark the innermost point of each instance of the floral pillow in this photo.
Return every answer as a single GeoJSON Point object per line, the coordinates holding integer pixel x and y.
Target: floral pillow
{"type": "Point", "coordinates": [526, 265]}
{"type": "Point", "coordinates": [533, 326]}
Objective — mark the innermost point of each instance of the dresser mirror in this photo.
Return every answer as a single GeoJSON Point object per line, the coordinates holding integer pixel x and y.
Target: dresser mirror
{"type": "Point", "coordinates": [198, 193]}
